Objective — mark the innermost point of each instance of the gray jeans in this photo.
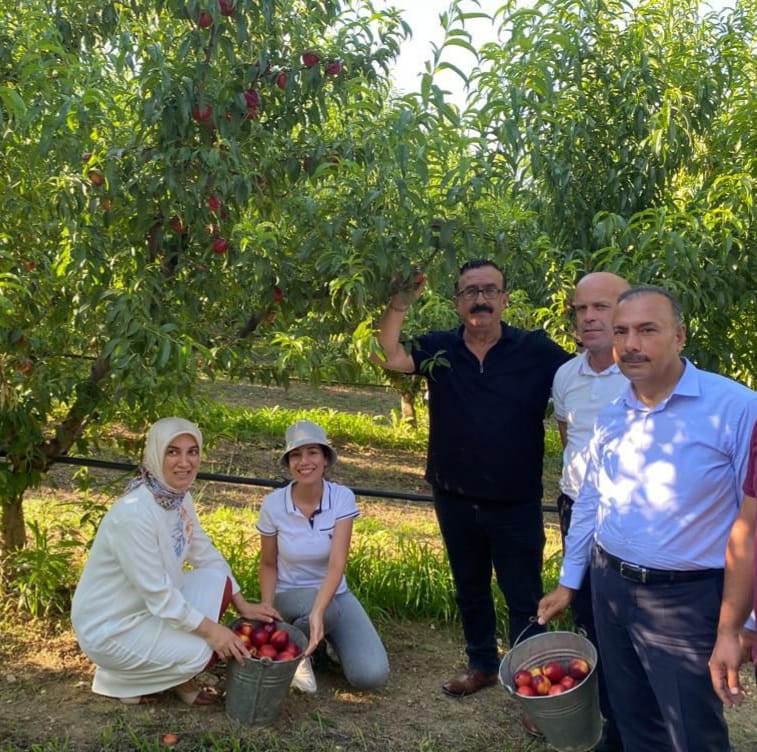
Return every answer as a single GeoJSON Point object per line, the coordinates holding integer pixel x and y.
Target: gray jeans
{"type": "Point", "coordinates": [349, 630]}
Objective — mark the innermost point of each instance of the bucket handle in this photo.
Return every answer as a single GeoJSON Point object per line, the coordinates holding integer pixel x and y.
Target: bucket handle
{"type": "Point", "coordinates": [531, 621]}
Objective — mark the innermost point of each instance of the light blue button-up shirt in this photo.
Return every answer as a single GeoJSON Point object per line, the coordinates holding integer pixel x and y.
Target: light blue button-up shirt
{"type": "Point", "coordinates": [663, 484]}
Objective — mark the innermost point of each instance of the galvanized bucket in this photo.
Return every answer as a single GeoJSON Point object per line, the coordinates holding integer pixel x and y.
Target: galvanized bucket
{"type": "Point", "coordinates": [255, 691]}
{"type": "Point", "coordinates": [570, 721]}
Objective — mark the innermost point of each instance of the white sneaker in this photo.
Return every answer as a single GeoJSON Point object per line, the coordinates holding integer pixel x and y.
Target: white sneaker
{"type": "Point", "coordinates": [331, 653]}
{"type": "Point", "coordinates": [304, 678]}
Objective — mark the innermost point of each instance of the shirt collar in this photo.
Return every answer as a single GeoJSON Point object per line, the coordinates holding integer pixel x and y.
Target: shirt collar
{"type": "Point", "coordinates": [507, 333]}
{"type": "Point", "coordinates": [325, 502]}
{"type": "Point", "coordinates": [586, 370]}
{"type": "Point", "coordinates": [687, 386]}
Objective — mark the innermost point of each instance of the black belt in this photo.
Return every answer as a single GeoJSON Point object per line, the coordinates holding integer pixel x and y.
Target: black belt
{"type": "Point", "coordinates": [649, 576]}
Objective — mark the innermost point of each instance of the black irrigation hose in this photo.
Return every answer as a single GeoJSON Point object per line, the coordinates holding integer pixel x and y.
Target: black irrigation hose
{"type": "Point", "coordinates": [263, 482]}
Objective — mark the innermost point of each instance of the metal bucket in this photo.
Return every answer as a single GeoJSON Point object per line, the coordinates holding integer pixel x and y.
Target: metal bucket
{"type": "Point", "coordinates": [570, 721]}
{"type": "Point", "coordinates": [255, 691]}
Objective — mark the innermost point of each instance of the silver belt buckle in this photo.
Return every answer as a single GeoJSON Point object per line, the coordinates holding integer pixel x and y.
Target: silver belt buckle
{"type": "Point", "coordinates": [633, 572]}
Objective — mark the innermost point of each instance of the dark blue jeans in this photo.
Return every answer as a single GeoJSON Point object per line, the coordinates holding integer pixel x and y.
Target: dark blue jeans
{"type": "Point", "coordinates": [482, 535]}
{"type": "Point", "coordinates": [655, 641]}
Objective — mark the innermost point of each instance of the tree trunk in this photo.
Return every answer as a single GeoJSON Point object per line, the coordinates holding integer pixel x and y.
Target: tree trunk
{"type": "Point", "coordinates": [408, 387]}
{"type": "Point", "coordinates": [12, 526]}
{"type": "Point", "coordinates": [407, 404]}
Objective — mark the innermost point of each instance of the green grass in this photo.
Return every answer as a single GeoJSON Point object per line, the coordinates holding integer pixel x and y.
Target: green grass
{"type": "Point", "coordinates": [249, 425]}
{"type": "Point", "coordinates": [397, 566]}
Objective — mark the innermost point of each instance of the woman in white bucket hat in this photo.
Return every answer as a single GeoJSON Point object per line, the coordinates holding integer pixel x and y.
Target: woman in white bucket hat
{"type": "Point", "coordinates": [305, 531]}
{"type": "Point", "coordinates": [145, 621]}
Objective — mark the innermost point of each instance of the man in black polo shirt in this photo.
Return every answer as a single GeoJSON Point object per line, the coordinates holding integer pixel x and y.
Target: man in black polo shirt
{"type": "Point", "coordinates": [488, 386]}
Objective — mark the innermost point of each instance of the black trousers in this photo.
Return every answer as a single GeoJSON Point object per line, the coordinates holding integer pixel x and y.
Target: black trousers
{"type": "Point", "coordinates": [480, 536]}
{"type": "Point", "coordinates": [654, 643]}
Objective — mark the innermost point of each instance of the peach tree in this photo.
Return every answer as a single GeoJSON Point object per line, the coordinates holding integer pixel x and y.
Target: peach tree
{"type": "Point", "coordinates": [625, 132]}
{"type": "Point", "coordinates": [149, 153]}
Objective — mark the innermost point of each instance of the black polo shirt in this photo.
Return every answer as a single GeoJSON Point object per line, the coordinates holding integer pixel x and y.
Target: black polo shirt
{"type": "Point", "coordinates": [486, 436]}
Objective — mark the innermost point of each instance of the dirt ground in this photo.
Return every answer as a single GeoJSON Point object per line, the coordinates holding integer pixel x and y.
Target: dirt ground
{"type": "Point", "coordinates": [44, 695]}
{"type": "Point", "coordinates": [45, 679]}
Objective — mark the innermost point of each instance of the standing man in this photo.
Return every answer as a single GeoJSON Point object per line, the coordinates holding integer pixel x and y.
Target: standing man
{"type": "Point", "coordinates": [739, 594]}
{"type": "Point", "coordinates": [662, 489]}
{"type": "Point", "coordinates": [488, 384]}
{"type": "Point", "coordinates": [582, 387]}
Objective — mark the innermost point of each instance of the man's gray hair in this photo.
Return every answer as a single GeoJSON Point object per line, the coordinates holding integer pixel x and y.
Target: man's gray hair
{"type": "Point", "coordinates": [675, 304]}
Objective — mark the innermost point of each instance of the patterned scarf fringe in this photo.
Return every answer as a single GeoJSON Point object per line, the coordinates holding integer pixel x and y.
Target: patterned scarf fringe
{"type": "Point", "coordinates": [163, 495]}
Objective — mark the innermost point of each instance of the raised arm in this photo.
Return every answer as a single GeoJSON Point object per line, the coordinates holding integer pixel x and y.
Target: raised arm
{"type": "Point", "coordinates": [396, 358]}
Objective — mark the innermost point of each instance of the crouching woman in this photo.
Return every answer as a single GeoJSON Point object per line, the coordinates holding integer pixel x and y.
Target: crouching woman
{"type": "Point", "coordinates": [305, 531]}
{"type": "Point", "coordinates": [145, 621]}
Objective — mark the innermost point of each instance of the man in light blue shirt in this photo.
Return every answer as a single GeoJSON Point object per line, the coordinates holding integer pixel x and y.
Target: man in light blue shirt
{"type": "Point", "coordinates": [581, 388]}
{"type": "Point", "coordinates": [662, 488]}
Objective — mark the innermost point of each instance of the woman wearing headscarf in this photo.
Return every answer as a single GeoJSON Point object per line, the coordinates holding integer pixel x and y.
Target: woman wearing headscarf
{"type": "Point", "coordinates": [146, 621]}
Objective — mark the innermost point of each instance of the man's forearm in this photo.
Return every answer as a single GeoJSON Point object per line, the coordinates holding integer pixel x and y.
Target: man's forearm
{"type": "Point", "coordinates": [389, 331]}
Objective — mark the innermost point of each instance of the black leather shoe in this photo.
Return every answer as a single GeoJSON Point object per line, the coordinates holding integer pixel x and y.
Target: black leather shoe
{"type": "Point", "coordinates": [469, 683]}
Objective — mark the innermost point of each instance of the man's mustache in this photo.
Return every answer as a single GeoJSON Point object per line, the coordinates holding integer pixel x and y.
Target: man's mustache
{"type": "Point", "coordinates": [481, 308]}
{"type": "Point", "coordinates": [634, 358]}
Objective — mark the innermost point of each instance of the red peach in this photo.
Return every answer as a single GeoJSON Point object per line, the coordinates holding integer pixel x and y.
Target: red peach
{"type": "Point", "coordinates": [579, 668]}
{"type": "Point", "coordinates": [540, 684]}
{"type": "Point", "coordinates": [553, 671]}
{"type": "Point", "coordinates": [522, 678]}
{"type": "Point", "coordinates": [568, 682]}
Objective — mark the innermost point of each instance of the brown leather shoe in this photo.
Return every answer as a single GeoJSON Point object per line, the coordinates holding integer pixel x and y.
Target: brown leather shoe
{"type": "Point", "coordinates": [468, 683]}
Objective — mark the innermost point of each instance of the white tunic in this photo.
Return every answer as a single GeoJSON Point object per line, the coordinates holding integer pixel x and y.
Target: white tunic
{"type": "Point", "coordinates": [136, 606]}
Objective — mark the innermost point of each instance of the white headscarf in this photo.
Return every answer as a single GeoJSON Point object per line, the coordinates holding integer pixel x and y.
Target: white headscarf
{"type": "Point", "coordinates": [160, 435]}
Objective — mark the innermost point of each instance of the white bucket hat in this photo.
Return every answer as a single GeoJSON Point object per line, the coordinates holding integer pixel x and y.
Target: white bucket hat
{"type": "Point", "coordinates": [305, 432]}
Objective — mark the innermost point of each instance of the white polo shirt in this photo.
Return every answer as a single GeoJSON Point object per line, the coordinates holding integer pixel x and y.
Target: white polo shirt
{"type": "Point", "coordinates": [578, 394]}
{"type": "Point", "coordinates": [304, 545]}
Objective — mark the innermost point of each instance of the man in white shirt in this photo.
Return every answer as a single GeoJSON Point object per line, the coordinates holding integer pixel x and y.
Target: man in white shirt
{"type": "Point", "coordinates": [581, 388]}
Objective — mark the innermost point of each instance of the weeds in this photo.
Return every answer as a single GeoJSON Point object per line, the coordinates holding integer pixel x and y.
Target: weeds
{"type": "Point", "coordinates": [41, 577]}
